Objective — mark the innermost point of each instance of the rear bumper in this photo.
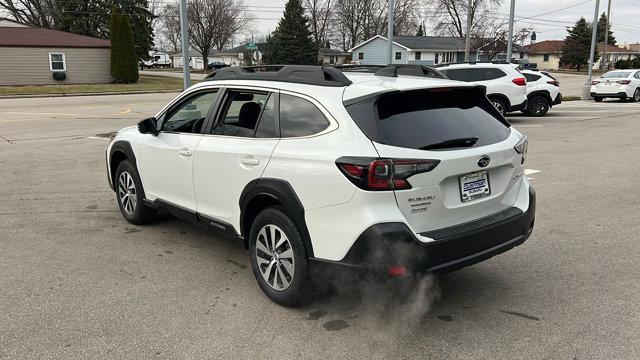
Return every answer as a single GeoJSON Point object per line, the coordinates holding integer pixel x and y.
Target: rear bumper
{"type": "Point", "coordinates": [557, 100]}
{"type": "Point", "coordinates": [518, 107]}
{"type": "Point", "coordinates": [620, 95]}
{"type": "Point", "coordinates": [392, 244]}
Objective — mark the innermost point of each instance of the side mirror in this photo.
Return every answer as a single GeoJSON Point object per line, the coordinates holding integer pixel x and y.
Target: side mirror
{"type": "Point", "coordinates": [149, 126]}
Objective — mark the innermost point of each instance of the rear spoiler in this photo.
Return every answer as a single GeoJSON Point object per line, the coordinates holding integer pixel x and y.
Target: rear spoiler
{"type": "Point", "coordinates": [473, 90]}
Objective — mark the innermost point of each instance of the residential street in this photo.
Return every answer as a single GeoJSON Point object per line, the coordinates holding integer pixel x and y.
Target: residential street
{"type": "Point", "coordinates": [78, 281]}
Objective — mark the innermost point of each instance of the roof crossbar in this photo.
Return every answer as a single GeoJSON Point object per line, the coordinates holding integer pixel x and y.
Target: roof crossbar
{"type": "Point", "coordinates": [409, 69]}
{"type": "Point", "coordinates": [300, 74]}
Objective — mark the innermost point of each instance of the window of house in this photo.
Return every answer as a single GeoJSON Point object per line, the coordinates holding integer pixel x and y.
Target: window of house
{"type": "Point", "coordinates": [398, 55]}
{"type": "Point", "coordinates": [545, 57]}
{"type": "Point", "coordinates": [57, 62]}
{"type": "Point", "coordinates": [189, 116]}
{"type": "Point", "coordinates": [436, 60]}
{"type": "Point", "coordinates": [418, 55]}
{"type": "Point", "coordinates": [332, 59]}
{"type": "Point", "coordinates": [241, 112]}
{"type": "Point", "coordinates": [360, 56]}
{"type": "Point", "coordinates": [299, 117]}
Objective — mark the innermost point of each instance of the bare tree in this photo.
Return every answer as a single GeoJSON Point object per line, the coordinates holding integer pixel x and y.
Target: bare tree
{"type": "Point", "coordinates": [320, 14]}
{"type": "Point", "coordinates": [450, 16]}
{"type": "Point", "coordinates": [169, 26]}
{"type": "Point", "coordinates": [214, 23]}
{"type": "Point", "coordinates": [40, 13]}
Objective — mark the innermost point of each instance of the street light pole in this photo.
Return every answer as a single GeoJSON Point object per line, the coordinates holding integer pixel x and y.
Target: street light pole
{"type": "Point", "coordinates": [390, 32]}
{"type": "Point", "coordinates": [467, 41]}
{"type": "Point", "coordinates": [587, 86]}
{"type": "Point", "coordinates": [510, 38]}
{"type": "Point", "coordinates": [184, 38]}
{"type": "Point", "coordinates": [606, 37]}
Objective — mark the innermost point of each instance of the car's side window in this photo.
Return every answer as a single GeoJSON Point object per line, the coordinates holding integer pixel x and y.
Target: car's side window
{"type": "Point", "coordinates": [267, 123]}
{"type": "Point", "coordinates": [467, 75]}
{"type": "Point", "coordinates": [531, 77]}
{"type": "Point", "coordinates": [189, 116]}
{"type": "Point", "coordinates": [240, 114]}
{"type": "Point", "coordinates": [637, 75]}
{"type": "Point", "coordinates": [299, 117]}
{"type": "Point", "coordinates": [492, 74]}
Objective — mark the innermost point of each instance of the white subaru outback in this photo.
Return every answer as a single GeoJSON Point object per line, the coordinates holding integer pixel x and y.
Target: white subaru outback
{"type": "Point", "coordinates": [309, 167]}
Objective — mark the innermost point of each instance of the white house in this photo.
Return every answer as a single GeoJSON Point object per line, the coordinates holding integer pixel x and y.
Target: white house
{"type": "Point", "coordinates": [331, 56]}
{"type": "Point", "coordinates": [425, 50]}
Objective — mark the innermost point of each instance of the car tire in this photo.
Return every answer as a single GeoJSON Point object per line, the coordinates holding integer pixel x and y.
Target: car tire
{"type": "Point", "coordinates": [636, 95]}
{"type": "Point", "coordinates": [279, 258]}
{"type": "Point", "coordinates": [500, 105]}
{"type": "Point", "coordinates": [538, 106]}
{"type": "Point", "coordinates": [130, 195]}
{"type": "Point", "coordinates": [597, 99]}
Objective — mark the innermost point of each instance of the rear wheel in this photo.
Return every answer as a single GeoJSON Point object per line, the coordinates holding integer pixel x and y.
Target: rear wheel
{"type": "Point", "coordinates": [597, 99]}
{"type": "Point", "coordinates": [538, 106]}
{"type": "Point", "coordinates": [636, 95]}
{"type": "Point", "coordinates": [279, 259]}
{"type": "Point", "coordinates": [499, 105]}
{"type": "Point", "coordinates": [130, 195]}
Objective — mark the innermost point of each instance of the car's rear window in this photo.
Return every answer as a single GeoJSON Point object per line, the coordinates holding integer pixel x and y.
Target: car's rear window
{"type": "Point", "coordinates": [616, 74]}
{"type": "Point", "coordinates": [421, 119]}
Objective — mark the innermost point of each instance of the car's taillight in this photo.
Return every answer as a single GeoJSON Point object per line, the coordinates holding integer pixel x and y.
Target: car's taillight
{"type": "Point", "coordinates": [595, 82]}
{"type": "Point", "coordinates": [553, 82]}
{"type": "Point", "coordinates": [520, 81]}
{"type": "Point", "coordinates": [624, 82]}
{"type": "Point", "coordinates": [521, 147]}
{"type": "Point", "coordinates": [383, 174]}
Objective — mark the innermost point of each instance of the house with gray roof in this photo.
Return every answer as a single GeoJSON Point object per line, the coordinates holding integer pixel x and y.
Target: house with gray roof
{"type": "Point", "coordinates": [424, 50]}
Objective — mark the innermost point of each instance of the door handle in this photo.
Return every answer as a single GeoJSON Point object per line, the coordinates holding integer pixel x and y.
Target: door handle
{"type": "Point", "coordinates": [184, 151]}
{"type": "Point", "coordinates": [249, 161]}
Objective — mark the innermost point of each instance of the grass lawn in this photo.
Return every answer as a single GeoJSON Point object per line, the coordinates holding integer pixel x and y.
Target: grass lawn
{"type": "Point", "coordinates": [146, 83]}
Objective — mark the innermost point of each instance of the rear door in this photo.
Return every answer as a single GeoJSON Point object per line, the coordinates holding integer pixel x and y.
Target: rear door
{"type": "Point", "coordinates": [479, 169]}
{"type": "Point", "coordinates": [235, 151]}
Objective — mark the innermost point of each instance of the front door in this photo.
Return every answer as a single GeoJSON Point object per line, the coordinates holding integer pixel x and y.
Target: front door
{"type": "Point", "coordinates": [166, 164]}
{"type": "Point", "coordinates": [235, 152]}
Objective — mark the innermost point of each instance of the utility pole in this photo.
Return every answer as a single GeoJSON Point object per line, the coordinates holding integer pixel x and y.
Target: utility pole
{"type": "Point", "coordinates": [587, 86]}
{"type": "Point", "coordinates": [390, 32]}
{"type": "Point", "coordinates": [510, 38]}
{"type": "Point", "coordinates": [467, 41]}
{"type": "Point", "coordinates": [606, 37]}
{"type": "Point", "coordinates": [184, 32]}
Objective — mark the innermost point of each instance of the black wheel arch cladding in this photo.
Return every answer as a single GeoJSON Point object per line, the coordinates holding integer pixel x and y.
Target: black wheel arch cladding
{"type": "Point", "coordinates": [261, 193]}
{"type": "Point", "coordinates": [120, 150]}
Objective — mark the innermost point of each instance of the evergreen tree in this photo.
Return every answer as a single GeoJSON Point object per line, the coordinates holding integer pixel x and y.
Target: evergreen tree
{"type": "Point", "coordinates": [420, 31]}
{"type": "Point", "coordinates": [124, 62]}
{"type": "Point", "coordinates": [602, 23]}
{"type": "Point", "coordinates": [577, 45]}
{"type": "Point", "coordinates": [292, 42]}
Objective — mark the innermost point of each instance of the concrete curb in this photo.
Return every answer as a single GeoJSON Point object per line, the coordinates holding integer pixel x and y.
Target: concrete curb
{"type": "Point", "coordinates": [27, 96]}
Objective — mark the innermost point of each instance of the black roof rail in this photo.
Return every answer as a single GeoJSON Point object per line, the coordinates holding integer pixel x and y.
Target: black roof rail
{"type": "Point", "coordinates": [300, 74]}
{"type": "Point", "coordinates": [473, 63]}
{"type": "Point", "coordinates": [411, 70]}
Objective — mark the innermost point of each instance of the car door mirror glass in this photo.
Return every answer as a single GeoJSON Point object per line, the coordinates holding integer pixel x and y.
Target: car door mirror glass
{"type": "Point", "coordinates": [148, 126]}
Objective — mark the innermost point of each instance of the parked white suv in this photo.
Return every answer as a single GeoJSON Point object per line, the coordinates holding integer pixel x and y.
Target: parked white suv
{"type": "Point", "coordinates": [543, 91]}
{"type": "Point", "coordinates": [506, 86]}
{"type": "Point", "coordinates": [310, 167]}
{"type": "Point", "coordinates": [620, 84]}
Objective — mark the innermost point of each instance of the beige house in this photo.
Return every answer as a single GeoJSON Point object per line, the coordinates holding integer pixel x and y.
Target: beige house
{"type": "Point", "coordinates": [545, 53]}
{"type": "Point", "coordinates": [330, 57]}
{"type": "Point", "coordinates": [30, 56]}
{"type": "Point", "coordinates": [614, 54]}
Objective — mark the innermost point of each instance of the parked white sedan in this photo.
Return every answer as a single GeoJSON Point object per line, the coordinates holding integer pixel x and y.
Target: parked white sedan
{"type": "Point", "coordinates": [620, 84]}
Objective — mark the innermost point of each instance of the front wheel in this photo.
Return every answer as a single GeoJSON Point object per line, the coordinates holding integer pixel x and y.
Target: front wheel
{"type": "Point", "coordinates": [279, 259]}
{"type": "Point", "coordinates": [130, 195]}
{"type": "Point", "coordinates": [538, 106]}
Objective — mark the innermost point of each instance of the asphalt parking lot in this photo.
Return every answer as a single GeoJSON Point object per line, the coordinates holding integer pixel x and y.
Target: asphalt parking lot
{"type": "Point", "coordinates": [78, 281]}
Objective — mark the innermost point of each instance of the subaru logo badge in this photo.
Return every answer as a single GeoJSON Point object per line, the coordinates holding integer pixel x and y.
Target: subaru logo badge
{"type": "Point", "coordinates": [484, 161]}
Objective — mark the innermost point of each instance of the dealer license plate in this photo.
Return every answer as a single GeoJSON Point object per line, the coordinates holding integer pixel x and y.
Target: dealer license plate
{"type": "Point", "coordinates": [474, 186]}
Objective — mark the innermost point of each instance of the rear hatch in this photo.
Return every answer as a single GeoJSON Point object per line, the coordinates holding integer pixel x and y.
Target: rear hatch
{"type": "Point", "coordinates": [477, 169]}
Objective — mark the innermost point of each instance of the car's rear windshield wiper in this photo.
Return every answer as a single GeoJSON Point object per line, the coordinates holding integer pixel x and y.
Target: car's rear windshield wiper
{"type": "Point", "coordinates": [453, 143]}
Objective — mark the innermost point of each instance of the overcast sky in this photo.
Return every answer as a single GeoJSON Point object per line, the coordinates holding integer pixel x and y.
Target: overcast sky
{"type": "Point", "coordinates": [624, 16]}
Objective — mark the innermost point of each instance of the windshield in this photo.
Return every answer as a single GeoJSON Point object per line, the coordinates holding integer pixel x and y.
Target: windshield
{"type": "Point", "coordinates": [436, 119]}
{"type": "Point", "coordinates": [616, 74]}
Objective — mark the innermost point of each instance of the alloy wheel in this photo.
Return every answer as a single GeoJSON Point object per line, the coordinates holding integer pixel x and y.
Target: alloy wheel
{"type": "Point", "coordinates": [537, 107]}
{"type": "Point", "coordinates": [636, 95]}
{"type": "Point", "coordinates": [275, 258]}
{"type": "Point", "coordinates": [127, 193]}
